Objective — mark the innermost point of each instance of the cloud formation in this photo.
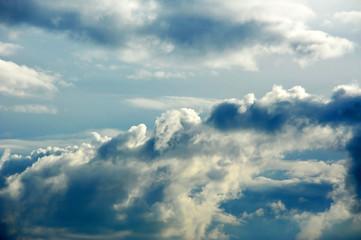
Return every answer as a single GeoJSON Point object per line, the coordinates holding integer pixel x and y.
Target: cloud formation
{"type": "Point", "coordinates": [199, 179]}
{"type": "Point", "coordinates": [177, 34]}
{"type": "Point", "coordinates": [22, 81]}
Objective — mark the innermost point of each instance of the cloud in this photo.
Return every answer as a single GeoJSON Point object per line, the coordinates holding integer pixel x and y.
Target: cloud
{"type": "Point", "coordinates": [145, 74]}
{"type": "Point", "coordinates": [4, 157]}
{"type": "Point", "coordinates": [280, 108]}
{"type": "Point", "coordinates": [7, 49]}
{"type": "Point", "coordinates": [172, 102]}
{"type": "Point", "coordinates": [31, 108]}
{"type": "Point", "coordinates": [353, 17]}
{"type": "Point", "coordinates": [168, 34]}
{"type": "Point", "coordinates": [227, 175]}
{"type": "Point", "coordinates": [277, 207]}
{"type": "Point", "coordinates": [316, 223]}
{"type": "Point", "coordinates": [25, 146]}
{"type": "Point", "coordinates": [22, 81]}
{"type": "Point", "coordinates": [91, 55]}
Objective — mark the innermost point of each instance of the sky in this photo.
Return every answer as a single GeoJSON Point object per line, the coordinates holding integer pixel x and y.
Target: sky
{"type": "Point", "coordinates": [179, 120]}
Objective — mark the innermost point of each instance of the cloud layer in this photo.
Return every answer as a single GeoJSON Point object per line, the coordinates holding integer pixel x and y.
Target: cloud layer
{"type": "Point", "coordinates": [289, 160]}
{"type": "Point", "coordinates": [166, 33]}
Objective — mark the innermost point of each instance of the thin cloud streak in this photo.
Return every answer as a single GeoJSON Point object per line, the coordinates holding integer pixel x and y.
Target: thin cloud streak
{"type": "Point", "coordinates": [172, 102]}
{"type": "Point", "coordinates": [30, 108]}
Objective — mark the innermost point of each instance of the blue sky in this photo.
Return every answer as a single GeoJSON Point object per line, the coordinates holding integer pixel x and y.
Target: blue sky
{"type": "Point", "coordinates": [180, 119]}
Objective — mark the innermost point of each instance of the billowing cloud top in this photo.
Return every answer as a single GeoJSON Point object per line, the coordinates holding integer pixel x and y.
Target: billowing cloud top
{"type": "Point", "coordinates": [288, 163]}
{"type": "Point", "coordinates": [217, 34]}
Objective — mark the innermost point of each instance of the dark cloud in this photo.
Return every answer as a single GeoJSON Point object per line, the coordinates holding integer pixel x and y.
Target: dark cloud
{"type": "Point", "coordinates": [226, 117]}
{"type": "Point", "coordinates": [183, 30]}
{"type": "Point", "coordinates": [202, 34]}
{"type": "Point", "coordinates": [32, 13]}
{"type": "Point", "coordinates": [342, 110]}
{"type": "Point", "coordinates": [354, 149]}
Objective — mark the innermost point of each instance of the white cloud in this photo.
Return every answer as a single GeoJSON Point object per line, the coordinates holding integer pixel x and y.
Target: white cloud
{"type": "Point", "coordinates": [172, 122]}
{"type": "Point", "coordinates": [277, 207]}
{"type": "Point", "coordinates": [270, 11]}
{"type": "Point", "coordinates": [4, 157]}
{"type": "Point", "coordinates": [353, 89]}
{"type": "Point", "coordinates": [353, 17]}
{"type": "Point", "coordinates": [284, 18]}
{"type": "Point", "coordinates": [92, 137]}
{"type": "Point", "coordinates": [314, 45]}
{"type": "Point", "coordinates": [145, 74]}
{"type": "Point", "coordinates": [7, 49]}
{"type": "Point", "coordinates": [146, 50]}
{"type": "Point", "coordinates": [30, 108]}
{"type": "Point", "coordinates": [259, 212]}
{"type": "Point", "coordinates": [244, 57]}
{"type": "Point", "coordinates": [312, 225]}
{"type": "Point", "coordinates": [22, 81]}
{"type": "Point", "coordinates": [173, 102]}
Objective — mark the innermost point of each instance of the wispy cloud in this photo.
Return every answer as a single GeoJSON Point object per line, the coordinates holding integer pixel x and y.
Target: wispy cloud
{"type": "Point", "coordinates": [353, 17]}
{"type": "Point", "coordinates": [7, 49]}
{"type": "Point", "coordinates": [146, 75]}
{"type": "Point", "coordinates": [171, 102]}
{"type": "Point", "coordinates": [30, 108]}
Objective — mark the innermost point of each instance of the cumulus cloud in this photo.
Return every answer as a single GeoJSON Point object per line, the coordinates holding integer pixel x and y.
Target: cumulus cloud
{"type": "Point", "coordinates": [190, 178]}
{"type": "Point", "coordinates": [185, 35]}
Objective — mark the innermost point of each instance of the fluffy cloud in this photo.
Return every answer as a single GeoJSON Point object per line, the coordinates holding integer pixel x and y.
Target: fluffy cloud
{"type": "Point", "coordinates": [189, 178]}
{"type": "Point", "coordinates": [165, 33]}
{"type": "Point", "coordinates": [22, 81]}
